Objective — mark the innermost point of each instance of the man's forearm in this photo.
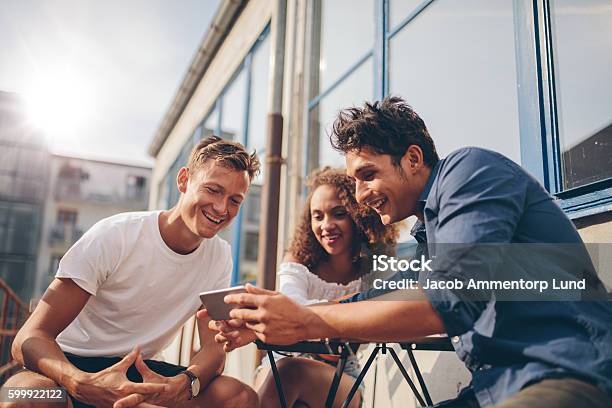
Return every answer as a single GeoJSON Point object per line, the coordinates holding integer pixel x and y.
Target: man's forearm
{"type": "Point", "coordinates": [43, 355]}
{"type": "Point", "coordinates": [207, 364]}
{"type": "Point", "coordinates": [375, 321]}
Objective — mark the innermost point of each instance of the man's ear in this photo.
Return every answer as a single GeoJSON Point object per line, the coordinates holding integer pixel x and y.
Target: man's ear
{"type": "Point", "coordinates": [412, 159]}
{"type": "Point", "coordinates": [182, 178]}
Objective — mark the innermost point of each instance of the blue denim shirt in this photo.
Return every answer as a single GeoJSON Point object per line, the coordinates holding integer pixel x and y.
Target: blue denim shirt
{"type": "Point", "coordinates": [476, 196]}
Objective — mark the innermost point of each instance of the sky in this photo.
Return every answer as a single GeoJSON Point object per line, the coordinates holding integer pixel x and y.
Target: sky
{"type": "Point", "coordinates": [99, 76]}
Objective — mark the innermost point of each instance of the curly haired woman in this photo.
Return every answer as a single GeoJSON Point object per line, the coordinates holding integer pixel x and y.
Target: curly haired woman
{"type": "Point", "coordinates": [325, 261]}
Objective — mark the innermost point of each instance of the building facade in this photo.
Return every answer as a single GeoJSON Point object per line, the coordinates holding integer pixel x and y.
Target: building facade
{"type": "Point", "coordinates": [81, 192]}
{"type": "Point", "coordinates": [529, 79]}
{"type": "Point", "coordinates": [24, 161]}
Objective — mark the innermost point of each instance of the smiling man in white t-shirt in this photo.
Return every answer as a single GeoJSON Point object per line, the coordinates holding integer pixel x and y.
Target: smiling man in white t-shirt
{"type": "Point", "coordinates": [123, 290]}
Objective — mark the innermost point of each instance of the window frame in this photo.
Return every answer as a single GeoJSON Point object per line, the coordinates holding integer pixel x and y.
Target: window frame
{"type": "Point", "coordinates": [537, 110]}
{"type": "Point", "coordinates": [578, 202]}
{"type": "Point", "coordinates": [246, 67]}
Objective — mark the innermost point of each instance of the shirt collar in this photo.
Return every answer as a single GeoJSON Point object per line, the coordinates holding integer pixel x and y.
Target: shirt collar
{"type": "Point", "coordinates": [418, 229]}
{"type": "Point", "coordinates": [432, 177]}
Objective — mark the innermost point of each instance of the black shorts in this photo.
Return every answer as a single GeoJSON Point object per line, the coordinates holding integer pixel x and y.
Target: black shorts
{"type": "Point", "coordinates": [95, 364]}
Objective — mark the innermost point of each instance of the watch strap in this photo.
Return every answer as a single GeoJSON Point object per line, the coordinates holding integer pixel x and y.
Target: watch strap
{"type": "Point", "coordinates": [192, 377]}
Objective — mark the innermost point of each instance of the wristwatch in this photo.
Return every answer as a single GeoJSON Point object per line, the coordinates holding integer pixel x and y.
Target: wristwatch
{"type": "Point", "coordinates": [194, 384]}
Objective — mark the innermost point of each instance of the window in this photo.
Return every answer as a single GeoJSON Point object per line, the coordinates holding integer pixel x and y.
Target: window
{"type": "Point", "coordinates": [238, 114]}
{"type": "Point", "coordinates": [340, 75]}
{"type": "Point", "coordinates": [258, 107]}
{"type": "Point", "coordinates": [472, 104]}
{"type": "Point", "coordinates": [163, 194]}
{"type": "Point", "coordinates": [401, 9]}
{"type": "Point", "coordinates": [583, 72]}
{"type": "Point", "coordinates": [54, 264]}
{"type": "Point", "coordinates": [67, 217]}
{"type": "Point", "coordinates": [257, 66]}
{"type": "Point", "coordinates": [233, 108]}
{"type": "Point", "coordinates": [19, 228]}
{"type": "Point", "coordinates": [251, 246]}
{"type": "Point", "coordinates": [136, 187]}
{"type": "Point", "coordinates": [211, 124]}
{"type": "Point", "coordinates": [338, 54]}
{"type": "Point", "coordinates": [454, 63]}
{"type": "Point", "coordinates": [253, 205]}
{"type": "Point", "coordinates": [573, 128]}
{"type": "Point", "coordinates": [528, 79]}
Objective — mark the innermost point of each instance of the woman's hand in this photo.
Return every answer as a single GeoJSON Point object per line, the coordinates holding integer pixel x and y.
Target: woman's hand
{"type": "Point", "coordinates": [231, 333]}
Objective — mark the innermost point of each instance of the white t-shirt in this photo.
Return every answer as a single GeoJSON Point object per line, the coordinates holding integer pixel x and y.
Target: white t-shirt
{"type": "Point", "coordinates": [304, 287]}
{"type": "Point", "coordinates": [142, 291]}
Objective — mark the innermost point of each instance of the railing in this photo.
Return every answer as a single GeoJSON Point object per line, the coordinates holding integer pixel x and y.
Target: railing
{"type": "Point", "coordinates": [12, 316]}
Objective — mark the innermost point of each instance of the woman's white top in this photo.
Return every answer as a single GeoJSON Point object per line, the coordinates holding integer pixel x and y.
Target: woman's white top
{"type": "Point", "coordinates": [305, 288]}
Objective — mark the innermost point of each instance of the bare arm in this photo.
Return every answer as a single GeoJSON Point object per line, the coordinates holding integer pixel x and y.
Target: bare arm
{"type": "Point", "coordinates": [376, 321]}
{"type": "Point", "coordinates": [276, 319]}
{"type": "Point", "coordinates": [210, 360]}
{"type": "Point", "coordinates": [35, 346]}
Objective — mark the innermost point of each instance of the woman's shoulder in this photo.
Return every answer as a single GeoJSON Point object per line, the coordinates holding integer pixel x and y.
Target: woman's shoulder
{"type": "Point", "coordinates": [290, 268]}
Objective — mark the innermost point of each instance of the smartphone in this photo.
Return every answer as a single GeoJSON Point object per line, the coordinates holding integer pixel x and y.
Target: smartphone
{"type": "Point", "coordinates": [214, 304]}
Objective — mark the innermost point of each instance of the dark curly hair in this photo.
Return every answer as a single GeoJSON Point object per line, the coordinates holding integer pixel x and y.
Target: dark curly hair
{"type": "Point", "coordinates": [370, 234]}
{"type": "Point", "coordinates": [388, 127]}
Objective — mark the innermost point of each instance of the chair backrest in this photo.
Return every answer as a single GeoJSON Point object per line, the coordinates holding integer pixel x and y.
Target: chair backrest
{"type": "Point", "coordinates": [184, 345]}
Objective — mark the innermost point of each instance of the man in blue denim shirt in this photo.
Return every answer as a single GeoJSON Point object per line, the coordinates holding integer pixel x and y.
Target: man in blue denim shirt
{"type": "Point", "coordinates": [520, 353]}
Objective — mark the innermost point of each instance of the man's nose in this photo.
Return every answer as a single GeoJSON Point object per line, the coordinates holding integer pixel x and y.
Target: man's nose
{"type": "Point", "coordinates": [220, 206]}
{"type": "Point", "coordinates": [361, 191]}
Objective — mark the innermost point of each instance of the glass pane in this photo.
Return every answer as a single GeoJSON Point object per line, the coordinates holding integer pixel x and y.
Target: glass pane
{"type": "Point", "coordinates": [347, 33]}
{"type": "Point", "coordinates": [400, 9]}
{"type": "Point", "coordinates": [250, 234]}
{"type": "Point", "coordinates": [232, 111]}
{"type": "Point", "coordinates": [258, 108]}
{"type": "Point", "coordinates": [23, 230]}
{"type": "Point", "coordinates": [18, 274]}
{"type": "Point", "coordinates": [211, 123]}
{"type": "Point", "coordinates": [197, 135]}
{"type": "Point", "coordinates": [173, 193]}
{"type": "Point", "coordinates": [354, 91]}
{"type": "Point", "coordinates": [583, 74]}
{"type": "Point", "coordinates": [455, 64]}
{"type": "Point", "coordinates": [259, 95]}
{"type": "Point", "coordinates": [163, 194]}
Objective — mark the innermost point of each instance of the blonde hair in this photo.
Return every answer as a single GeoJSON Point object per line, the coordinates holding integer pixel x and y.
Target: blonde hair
{"type": "Point", "coordinates": [229, 154]}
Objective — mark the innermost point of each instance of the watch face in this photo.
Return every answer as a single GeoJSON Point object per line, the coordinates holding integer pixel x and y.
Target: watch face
{"type": "Point", "coordinates": [195, 387]}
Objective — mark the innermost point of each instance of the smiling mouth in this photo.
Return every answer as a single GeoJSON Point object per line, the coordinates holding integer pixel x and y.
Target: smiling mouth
{"type": "Point", "coordinates": [377, 204]}
{"type": "Point", "coordinates": [213, 219]}
{"type": "Point", "coordinates": [331, 238]}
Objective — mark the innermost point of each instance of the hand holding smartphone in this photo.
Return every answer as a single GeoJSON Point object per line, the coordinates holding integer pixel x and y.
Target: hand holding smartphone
{"type": "Point", "coordinates": [214, 304]}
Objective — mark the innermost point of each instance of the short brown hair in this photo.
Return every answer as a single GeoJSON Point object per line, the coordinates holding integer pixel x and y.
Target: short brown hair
{"type": "Point", "coordinates": [389, 126]}
{"type": "Point", "coordinates": [229, 154]}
